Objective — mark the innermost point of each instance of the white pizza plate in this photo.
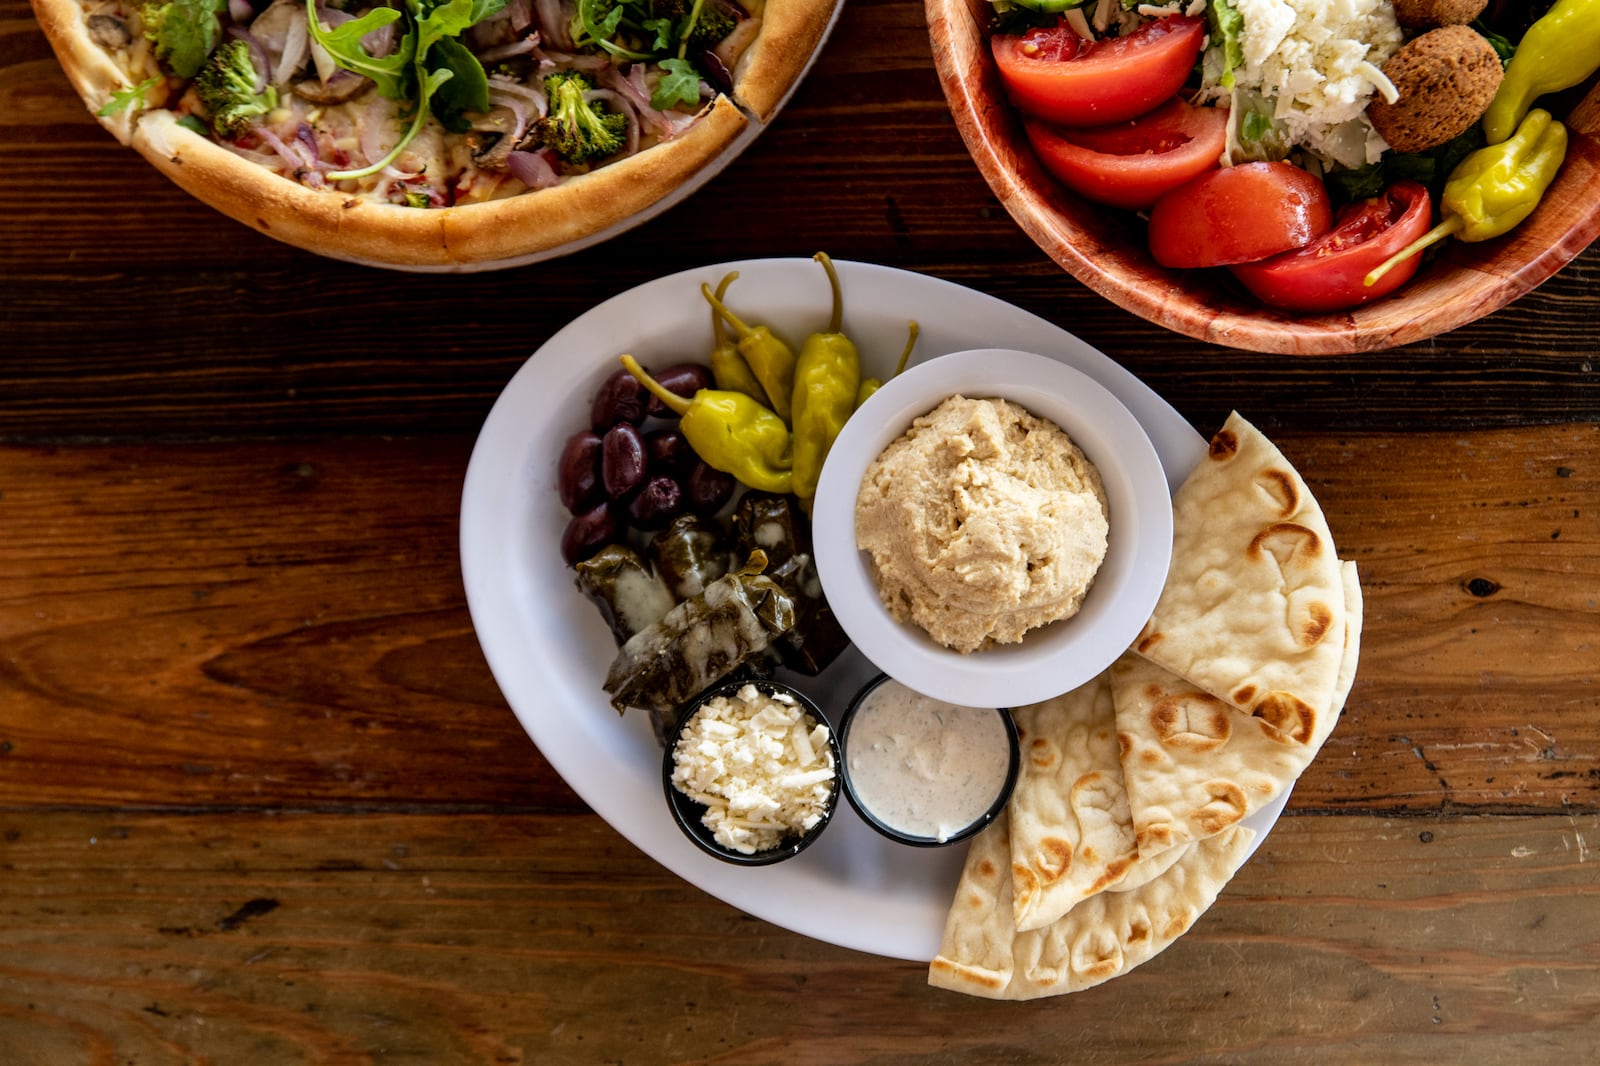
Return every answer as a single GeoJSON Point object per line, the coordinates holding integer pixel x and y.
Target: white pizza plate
{"type": "Point", "coordinates": [549, 648]}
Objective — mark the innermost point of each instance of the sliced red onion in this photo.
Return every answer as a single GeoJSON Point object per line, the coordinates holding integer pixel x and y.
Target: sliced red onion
{"type": "Point", "coordinates": [296, 46]}
{"type": "Point", "coordinates": [372, 125]}
{"type": "Point", "coordinates": [506, 51]}
{"type": "Point", "coordinates": [240, 11]}
{"type": "Point", "coordinates": [520, 12]}
{"type": "Point", "coordinates": [271, 27]}
{"type": "Point", "coordinates": [633, 87]}
{"type": "Point", "coordinates": [533, 169]}
{"type": "Point", "coordinates": [571, 61]}
{"type": "Point", "coordinates": [555, 22]}
{"type": "Point", "coordinates": [292, 151]}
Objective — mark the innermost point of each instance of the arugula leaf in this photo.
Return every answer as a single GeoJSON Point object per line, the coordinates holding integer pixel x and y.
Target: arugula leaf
{"type": "Point", "coordinates": [679, 84]}
{"type": "Point", "coordinates": [184, 32]}
{"type": "Point", "coordinates": [122, 99]}
{"type": "Point", "coordinates": [662, 28]}
{"type": "Point", "coordinates": [467, 90]}
{"type": "Point", "coordinates": [390, 73]}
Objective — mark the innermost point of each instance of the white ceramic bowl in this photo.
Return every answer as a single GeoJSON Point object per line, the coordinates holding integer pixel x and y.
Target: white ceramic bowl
{"type": "Point", "coordinates": [1055, 658]}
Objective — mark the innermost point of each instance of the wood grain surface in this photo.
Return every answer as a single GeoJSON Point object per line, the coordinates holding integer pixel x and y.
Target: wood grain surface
{"type": "Point", "coordinates": [261, 800]}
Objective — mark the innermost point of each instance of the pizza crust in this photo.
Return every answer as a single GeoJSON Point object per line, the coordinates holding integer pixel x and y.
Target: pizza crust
{"type": "Point", "coordinates": [512, 231]}
{"type": "Point", "coordinates": [90, 70]}
{"type": "Point", "coordinates": [497, 233]}
{"type": "Point", "coordinates": [791, 35]}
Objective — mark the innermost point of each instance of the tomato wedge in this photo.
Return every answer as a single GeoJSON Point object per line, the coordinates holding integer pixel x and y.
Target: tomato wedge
{"type": "Point", "coordinates": [1239, 215]}
{"type": "Point", "coordinates": [1132, 163]}
{"type": "Point", "coordinates": [1053, 74]}
{"type": "Point", "coordinates": [1326, 275]}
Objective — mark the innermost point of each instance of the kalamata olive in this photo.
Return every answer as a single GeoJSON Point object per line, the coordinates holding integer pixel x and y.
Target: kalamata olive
{"type": "Point", "coordinates": [669, 451]}
{"type": "Point", "coordinates": [685, 379]}
{"type": "Point", "coordinates": [621, 399]}
{"type": "Point", "coordinates": [658, 503]}
{"type": "Point", "coordinates": [707, 489]}
{"type": "Point", "coordinates": [589, 531]}
{"type": "Point", "coordinates": [622, 460]}
{"type": "Point", "coordinates": [578, 472]}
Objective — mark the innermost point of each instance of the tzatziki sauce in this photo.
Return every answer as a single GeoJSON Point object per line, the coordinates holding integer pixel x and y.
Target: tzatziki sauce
{"type": "Point", "coordinates": [923, 767]}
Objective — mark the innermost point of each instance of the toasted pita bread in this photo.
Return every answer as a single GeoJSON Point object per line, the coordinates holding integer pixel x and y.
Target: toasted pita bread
{"type": "Point", "coordinates": [1194, 765]}
{"type": "Point", "coordinates": [1253, 608]}
{"type": "Point", "coordinates": [1103, 937]}
{"type": "Point", "coordinates": [1072, 833]}
{"type": "Point", "coordinates": [581, 211]}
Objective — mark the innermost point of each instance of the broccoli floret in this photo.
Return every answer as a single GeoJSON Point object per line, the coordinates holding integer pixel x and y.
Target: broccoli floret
{"type": "Point", "coordinates": [573, 128]}
{"type": "Point", "coordinates": [712, 24]}
{"type": "Point", "coordinates": [184, 32]}
{"type": "Point", "coordinates": [227, 88]}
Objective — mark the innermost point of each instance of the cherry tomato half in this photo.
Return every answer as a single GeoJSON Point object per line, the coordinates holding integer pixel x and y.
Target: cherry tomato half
{"type": "Point", "coordinates": [1326, 275]}
{"type": "Point", "coordinates": [1053, 74]}
{"type": "Point", "coordinates": [1238, 215]}
{"type": "Point", "coordinates": [1132, 163]}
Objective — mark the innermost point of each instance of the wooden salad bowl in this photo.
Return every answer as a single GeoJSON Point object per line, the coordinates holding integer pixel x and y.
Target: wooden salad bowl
{"type": "Point", "coordinates": [1105, 248]}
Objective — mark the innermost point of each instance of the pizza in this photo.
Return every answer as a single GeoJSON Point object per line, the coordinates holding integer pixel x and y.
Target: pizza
{"type": "Point", "coordinates": [436, 135]}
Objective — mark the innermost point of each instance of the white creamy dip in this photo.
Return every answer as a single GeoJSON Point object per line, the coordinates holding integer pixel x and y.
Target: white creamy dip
{"type": "Point", "coordinates": [924, 767]}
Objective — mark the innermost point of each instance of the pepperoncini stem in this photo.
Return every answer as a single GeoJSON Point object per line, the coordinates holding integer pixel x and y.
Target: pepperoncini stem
{"type": "Point", "coordinates": [872, 385]}
{"type": "Point", "coordinates": [912, 332]}
{"type": "Point", "coordinates": [718, 338]}
{"type": "Point", "coordinates": [675, 403]}
{"type": "Point", "coordinates": [1448, 227]}
{"type": "Point", "coordinates": [836, 323]}
{"type": "Point", "coordinates": [739, 328]}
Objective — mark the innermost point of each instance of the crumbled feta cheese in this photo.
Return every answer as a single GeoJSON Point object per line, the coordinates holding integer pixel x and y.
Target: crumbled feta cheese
{"type": "Point", "coordinates": [1317, 62]}
{"type": "Point", "coordinates": [761, 766]}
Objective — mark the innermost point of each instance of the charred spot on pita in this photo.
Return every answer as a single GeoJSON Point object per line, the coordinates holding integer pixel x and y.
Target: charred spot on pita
{"type": "Point", "coordinates": [1226, 806]}
{"type": "Point", "coordinates": [1193, 721]}
{"type": "Point", "coordinates": [1316, 624]}
{"type": "Point", "coordinates": [1288, 714]}
{"type": "Point", "coordinates": [1224, 446]}
{"type": "Point", "coordinates": [1279, 486]}
{"type": "Point", "coordinates": [1287, 543]}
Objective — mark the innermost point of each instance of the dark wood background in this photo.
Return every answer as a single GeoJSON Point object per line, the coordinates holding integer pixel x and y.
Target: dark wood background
{"type": "Point", "coordinates": [261, 800]}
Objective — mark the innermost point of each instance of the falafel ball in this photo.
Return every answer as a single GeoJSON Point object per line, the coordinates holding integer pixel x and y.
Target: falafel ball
{"type": "Point", "coordinates": [1446, 79]}
{"type": "Point", "coordinates": [1424, 14]}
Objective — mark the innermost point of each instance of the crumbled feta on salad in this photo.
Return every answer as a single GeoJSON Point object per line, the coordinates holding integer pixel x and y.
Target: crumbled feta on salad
{"type": "Point", "coordinates": [1300, 73]}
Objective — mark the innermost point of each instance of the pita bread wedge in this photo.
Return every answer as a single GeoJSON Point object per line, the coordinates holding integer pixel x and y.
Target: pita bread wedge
{"type": "Point", "coordinates": [1072, 833]}
{"type": "Point", "coordinates": [1193, 765]}
{"type": "Point", "coordinates": [1103, 937]}
{"type": "Point", "coordinates": [1253, 608]}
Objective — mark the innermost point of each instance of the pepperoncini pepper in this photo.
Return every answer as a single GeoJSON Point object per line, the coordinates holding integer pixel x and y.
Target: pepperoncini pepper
{"type": "Point", "coordinates": [827, 374]}
{"type": "Point", "coordinates": [1494, 188]}
{"type": "Point", "coordinates": [764, 352]}
{"type": "Point", "coordinates": [728, 368]}
{"type": "Point", "coordinates": [730, 431]}
{"type": "Point", "coordinates": [872, 385]}
{"type": "Point", "coordinates": [1559, 50]}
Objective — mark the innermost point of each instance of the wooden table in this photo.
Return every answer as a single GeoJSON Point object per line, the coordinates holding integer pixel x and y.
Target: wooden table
{"type": "Point", "coordinates": [262, 802]}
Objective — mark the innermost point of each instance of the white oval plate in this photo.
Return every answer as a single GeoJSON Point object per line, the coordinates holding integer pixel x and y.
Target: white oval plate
{"type": "Point", "coordinates": [549, 648]}
{"type": "Point", "coordinates": [1048, 661]}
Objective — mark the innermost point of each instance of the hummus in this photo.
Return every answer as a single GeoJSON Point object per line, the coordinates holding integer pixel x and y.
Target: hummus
{"type": "Point", "coordinates": [983, 521]}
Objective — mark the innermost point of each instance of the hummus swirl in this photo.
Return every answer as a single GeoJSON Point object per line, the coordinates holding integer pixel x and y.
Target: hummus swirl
{"type": "Point", "coordinates": [983, 522]}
